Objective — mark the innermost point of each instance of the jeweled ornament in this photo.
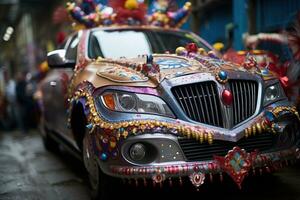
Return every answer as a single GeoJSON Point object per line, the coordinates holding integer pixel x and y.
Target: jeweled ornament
{"type": "Point", "coordinates": [103, 157]}
{"type": "Point", "coordinates": [223, 75]}
{"type": "Point", "coordinates": [159, 178]}
{"type": "Point", "coordinates": [192, 47]}
{"type": "Point", "coordinates": [237, 164]}
{"type": "Point", "coordinates": [197, 179]}
{"type": "Point", "coordinates": [227, 97]}
{"type": "Point", "coordinates": [264, 72]}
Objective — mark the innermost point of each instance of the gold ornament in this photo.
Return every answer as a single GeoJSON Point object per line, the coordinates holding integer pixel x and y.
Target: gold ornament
{"type": "Point", "coordinates": [180, 50]}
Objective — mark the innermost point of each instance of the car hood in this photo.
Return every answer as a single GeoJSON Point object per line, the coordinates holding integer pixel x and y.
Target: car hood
{"type": "Point", "coordinates": [142, 72]}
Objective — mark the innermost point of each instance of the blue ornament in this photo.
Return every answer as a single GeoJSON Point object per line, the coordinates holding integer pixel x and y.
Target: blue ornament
{"type": "Point", "coordinates": [222, 75]}
{"type": "Point", "coordinates": [103, 157]}
{"type": "Point", "coordinates": [264, 72]}
{"type": "Point", "coordinates": [89, 126]}
{"type": "Point", "coordinates": [270, 116]}
{"type": "Point", "coordinates": [121, 130]}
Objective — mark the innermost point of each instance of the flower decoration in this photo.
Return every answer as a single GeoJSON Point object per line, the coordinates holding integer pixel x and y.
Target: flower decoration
{"type": "Point", "coordinates": [91, 13]}
{"type": "Point", "coordinates": [163, 17]}
{"type": "Point", "coordinates": [250, 62]}
{"type": "Point", "coordinates": [129, 12]}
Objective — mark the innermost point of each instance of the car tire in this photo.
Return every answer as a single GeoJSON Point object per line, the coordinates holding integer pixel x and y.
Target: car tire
{"type": "Point", "coordinates": [49, 143]}
{"type": "Point", "coordinates": [100, 183]}
{"type": "Point", "coordinates": [103, 189]}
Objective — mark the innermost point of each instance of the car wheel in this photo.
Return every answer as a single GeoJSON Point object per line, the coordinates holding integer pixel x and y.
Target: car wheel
{"type": "Point", "coordinates": [100, 183]}
{"type": "Point", "coordinates": [49, 143]}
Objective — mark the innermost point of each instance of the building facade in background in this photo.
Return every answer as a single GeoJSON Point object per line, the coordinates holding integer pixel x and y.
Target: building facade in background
{"type": "Point", "coordinates": [228, 20]}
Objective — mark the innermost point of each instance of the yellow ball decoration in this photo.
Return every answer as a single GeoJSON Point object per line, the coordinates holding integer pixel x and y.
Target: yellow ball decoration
{"type": "Point", "coordinates": [187, 5]}
{"type": "Point", "coordinates": [131, 4]}
{"type": "Point", "coordinates": [218, 46]}
{"type": "Point", "coordinates": [202, 51]}
{"type": "Point", "coordinates": [180, 50]}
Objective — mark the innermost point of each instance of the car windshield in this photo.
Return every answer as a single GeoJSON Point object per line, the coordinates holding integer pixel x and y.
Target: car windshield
{"type": "Point", "coordinates": [131, 43]}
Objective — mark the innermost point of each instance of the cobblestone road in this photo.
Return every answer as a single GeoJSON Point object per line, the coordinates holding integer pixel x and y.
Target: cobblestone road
{"type": "Point", "coordinates": [28, 171]}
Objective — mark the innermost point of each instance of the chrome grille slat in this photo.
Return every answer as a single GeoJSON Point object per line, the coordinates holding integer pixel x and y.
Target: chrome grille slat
{"type": "Point", "coordinates": [184, 101]}
{"type": "Point", "coordinates": [177, 96]}
{"type": "Point", "coordinates": [238, 101]}
{"type": "Point", "coordinates": [195, 102]}
{"type": "Point", "coordinates": [253, 98]}
{"type": "Point", "coordinates": [249, 98]}
{"type": "Point", "coordinates": [241, 96]}
{"type": "Point", "coordinates": [232, 88]}
{"type": "Point", "coordinates": [190, 102]}
{"type": "Point", "coordinates": [205, 103]}
{"type": "Point", "coordinates": [246, 100]}
{"type": "Point", "coordinates": [215, 105]}
{"type": "Point", "coordinates": [203, 116]}
{"type": "Point", "coordinates": [209, 95]}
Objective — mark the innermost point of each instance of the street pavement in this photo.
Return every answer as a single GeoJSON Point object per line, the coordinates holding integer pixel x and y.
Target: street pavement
{"type": "Point", "coordinates": [29, 172]}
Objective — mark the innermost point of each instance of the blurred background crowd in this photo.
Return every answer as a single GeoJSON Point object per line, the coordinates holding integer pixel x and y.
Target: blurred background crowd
{"type": "Point", "coordinates": [31, 28]}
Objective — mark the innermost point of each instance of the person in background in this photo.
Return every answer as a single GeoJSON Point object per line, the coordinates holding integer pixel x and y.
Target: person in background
{"type": "Point", "coordinates": [10, 93]}
{"type": "Point", "coordinates": [3, 104]}
{"type": "Point", "coordinates": [22, 102]}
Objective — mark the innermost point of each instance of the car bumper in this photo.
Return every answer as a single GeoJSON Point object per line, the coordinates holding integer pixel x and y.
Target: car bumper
{"type": "Point", "coordinates": [198, 172]}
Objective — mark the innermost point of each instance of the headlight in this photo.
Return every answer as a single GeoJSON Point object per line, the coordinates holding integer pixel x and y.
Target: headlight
{"type": "Point", "coordinates": [273, 93]}
{"type": "Point", "coordinates": [135, 103]}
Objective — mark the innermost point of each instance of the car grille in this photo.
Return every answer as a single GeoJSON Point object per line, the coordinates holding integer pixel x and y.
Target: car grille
{"type": "Point", "coordinates": [244, 99]}
{"type": "Point", "coordinates": [194, 151]}
{"type": "Point", "coordinates": [201, 101]}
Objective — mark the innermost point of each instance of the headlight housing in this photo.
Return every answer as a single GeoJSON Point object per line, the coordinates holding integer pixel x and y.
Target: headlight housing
{"type": "Point", "coordinates": [273, 93]}
{"type": "Point", "coordinates": [135, 103]}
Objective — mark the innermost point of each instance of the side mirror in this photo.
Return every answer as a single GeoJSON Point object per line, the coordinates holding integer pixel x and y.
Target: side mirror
{"type": "Point", "coordinates": [57, 59]}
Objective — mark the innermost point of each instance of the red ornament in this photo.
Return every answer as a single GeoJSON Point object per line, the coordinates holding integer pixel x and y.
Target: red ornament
{"type": "Point", "coordinates": [268, 122]}
{"type": "Point", "coordinates": [237, 163]}
{"type": "Point", "coordinates": [192, 48]}
{"type": "Point", "coordinates": [250, 63]}
{"type": "Point", "coordinates": [227, 97]}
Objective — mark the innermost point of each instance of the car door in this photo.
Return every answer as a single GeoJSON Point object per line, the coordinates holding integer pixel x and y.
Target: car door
{"type": "Point", "coordinates": [57, 83]}
{"type": "Point", "coordinates": [61, 92]}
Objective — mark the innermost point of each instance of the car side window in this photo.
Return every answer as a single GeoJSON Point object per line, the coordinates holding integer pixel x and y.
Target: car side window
{"type": "Point", "coordinates": [71, 50]}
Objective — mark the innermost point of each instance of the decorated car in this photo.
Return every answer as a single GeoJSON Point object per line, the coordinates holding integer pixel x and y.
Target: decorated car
{"type": "Point", "coordinates": [176, 111]}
